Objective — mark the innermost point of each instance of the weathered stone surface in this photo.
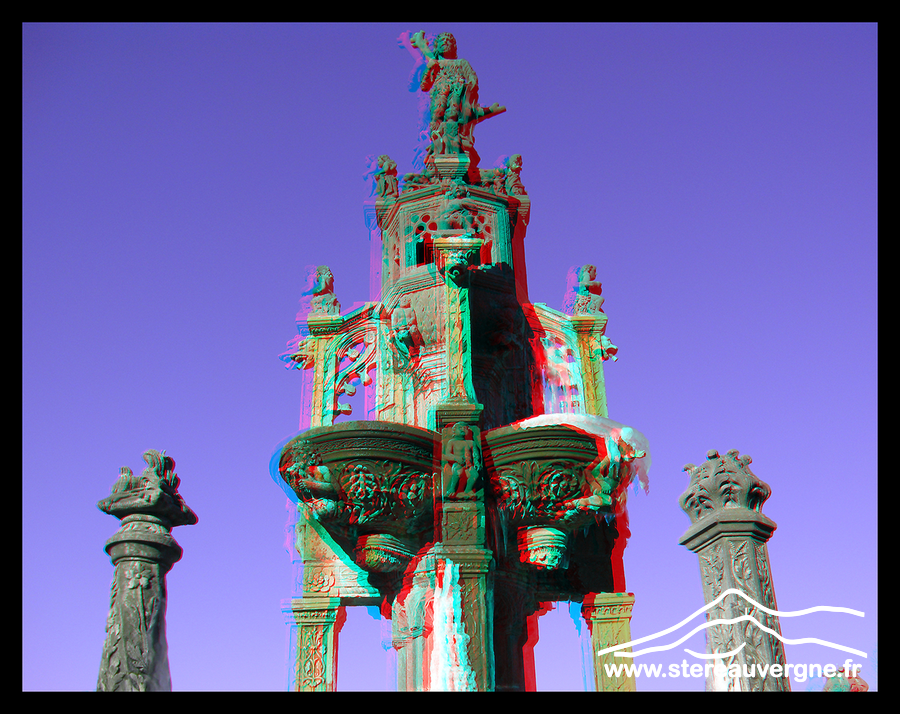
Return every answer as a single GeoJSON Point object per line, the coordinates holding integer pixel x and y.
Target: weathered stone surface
{"type": "Point", "coordinates": [135, 654]}
{"type": "Point", "coordinates": [451, 498]}
{"type": "Point", "coordinates": [729, 533]}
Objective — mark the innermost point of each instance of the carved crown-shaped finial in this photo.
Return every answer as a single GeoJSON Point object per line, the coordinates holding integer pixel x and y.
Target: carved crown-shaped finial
{"type": "Point", "coordinates": [722, 482]}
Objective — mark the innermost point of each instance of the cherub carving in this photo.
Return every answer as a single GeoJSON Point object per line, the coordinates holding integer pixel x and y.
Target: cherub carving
{"type": "Point", "coordinates": [461, 456]}
{"type": "Point", "coordinates": [312, 481]}
{"type": "Point", "coordinates": [457, 210]}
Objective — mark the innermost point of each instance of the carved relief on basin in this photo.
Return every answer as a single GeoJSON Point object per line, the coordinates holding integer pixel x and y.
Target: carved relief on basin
{"type": "Point", "coordinates": [551, 479]}
{"type": "Point", "coordinates": [369, 483]}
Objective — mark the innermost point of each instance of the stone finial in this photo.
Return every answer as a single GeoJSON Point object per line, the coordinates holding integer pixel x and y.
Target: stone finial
{"type": "Point", "coordinates": [154, 492]}
{"type": "Point", "coordinates": [721, 483]}
{"type": "Point", "coordinates": [729, 533]}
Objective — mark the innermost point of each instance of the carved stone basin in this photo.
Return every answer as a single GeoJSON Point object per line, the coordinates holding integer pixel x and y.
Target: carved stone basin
{"type": "Point", "coordinates": [369, 483]}
{"type": "Point", "coordinates": [534, 473]}
{"type": "Point", "coordinates": [550, 479]}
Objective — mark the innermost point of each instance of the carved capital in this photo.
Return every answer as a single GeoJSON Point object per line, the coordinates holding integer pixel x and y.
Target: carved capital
{"type": "Point", "coordinates": [724, 498]}
{"type": "Point", "coordinates": [154, 493]}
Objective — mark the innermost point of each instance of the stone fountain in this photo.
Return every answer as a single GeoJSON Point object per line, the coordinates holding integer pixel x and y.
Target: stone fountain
{"type": "Point", "coordinates": [487, 477]}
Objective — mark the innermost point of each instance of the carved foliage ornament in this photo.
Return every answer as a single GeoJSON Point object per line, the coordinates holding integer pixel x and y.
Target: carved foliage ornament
{"type": "Point", "coordinates": [360, 492]}
{"type": "Point", "coordinates": [154, 492]}
{"type": "Point", "coordinates": [723, 482]}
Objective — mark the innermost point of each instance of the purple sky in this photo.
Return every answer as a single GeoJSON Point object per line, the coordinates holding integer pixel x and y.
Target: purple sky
{"type": "Point", "coordinates": [178, 178]}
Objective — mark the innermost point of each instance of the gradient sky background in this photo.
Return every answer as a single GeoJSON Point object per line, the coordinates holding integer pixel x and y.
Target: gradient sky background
{"type": "Point", "coordinates": [177, 179]}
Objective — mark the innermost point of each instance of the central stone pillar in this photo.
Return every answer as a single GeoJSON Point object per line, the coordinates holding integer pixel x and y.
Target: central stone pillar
{"type": "Point", "coordinates": [464, 596]}
{"type": "Point", "coordinates": [455, 253]}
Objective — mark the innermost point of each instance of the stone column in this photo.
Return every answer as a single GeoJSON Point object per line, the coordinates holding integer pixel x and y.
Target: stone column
{"type": "Point", "coordinates": [729, 533]}
{"type": "Point", "coordinates": [135, 654]}
{"type": "Point", "coordinates": [318, 622]}
{"type": "Point", "coordinates": [454, 254]}
{"type": "Point", "coordinates": [462, 655]}
{"type": "Point", "coordinates": [590, 329]}
{"type": "Point", "coordinates": [322, 329]}
{"type": "Point", "coordinates": [513, 653]}
{"type": "Point", "coordinates": [608, 616]}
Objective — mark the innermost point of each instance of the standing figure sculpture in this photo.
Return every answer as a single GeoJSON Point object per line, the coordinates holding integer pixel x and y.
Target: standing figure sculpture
{"type": "Point", "coordinates": [453, 88]}
{"type": "Point", "coordinates": [405, 331]}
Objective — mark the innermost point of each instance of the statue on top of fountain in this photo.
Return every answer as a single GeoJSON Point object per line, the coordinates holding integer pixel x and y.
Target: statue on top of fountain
{"type": "Point", "coordinates": [453, 109]}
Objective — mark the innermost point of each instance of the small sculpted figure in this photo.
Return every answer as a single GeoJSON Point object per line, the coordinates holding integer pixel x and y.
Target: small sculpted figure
{"type": "Point", "coordinates": [323, 301]}
{"type": "Point", "coordinates": [583, 296]}
{"type": "Point", "coordinates": [462, 462]}
{"type": "Point", "coordinates": [606, 349]}
{"type": "Point", "coordinates": [456, 210]}
{"type": "Point", "coordinates": [386, 185]}
{"type": "Point", "coordinates": [446, 139]}
{"type": "Point", "coordinates": [514, 185]}
{"type": "Point", "coordinates": [312, 481]}
{"type": "Point", "coordinates": [494, 180]}
{"type": "Point", "coordinates": [607, 478]}
{"type": "Point", "coordinates": [405, 330]}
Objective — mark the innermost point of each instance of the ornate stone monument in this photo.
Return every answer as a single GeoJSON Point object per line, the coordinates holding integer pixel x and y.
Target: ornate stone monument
{"type": "Point", "coordinates": [135, 655]}
{"type": "Point", "coordinates": [729, 534]}
{"type": "Point", "coordinates": [488, 477]}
